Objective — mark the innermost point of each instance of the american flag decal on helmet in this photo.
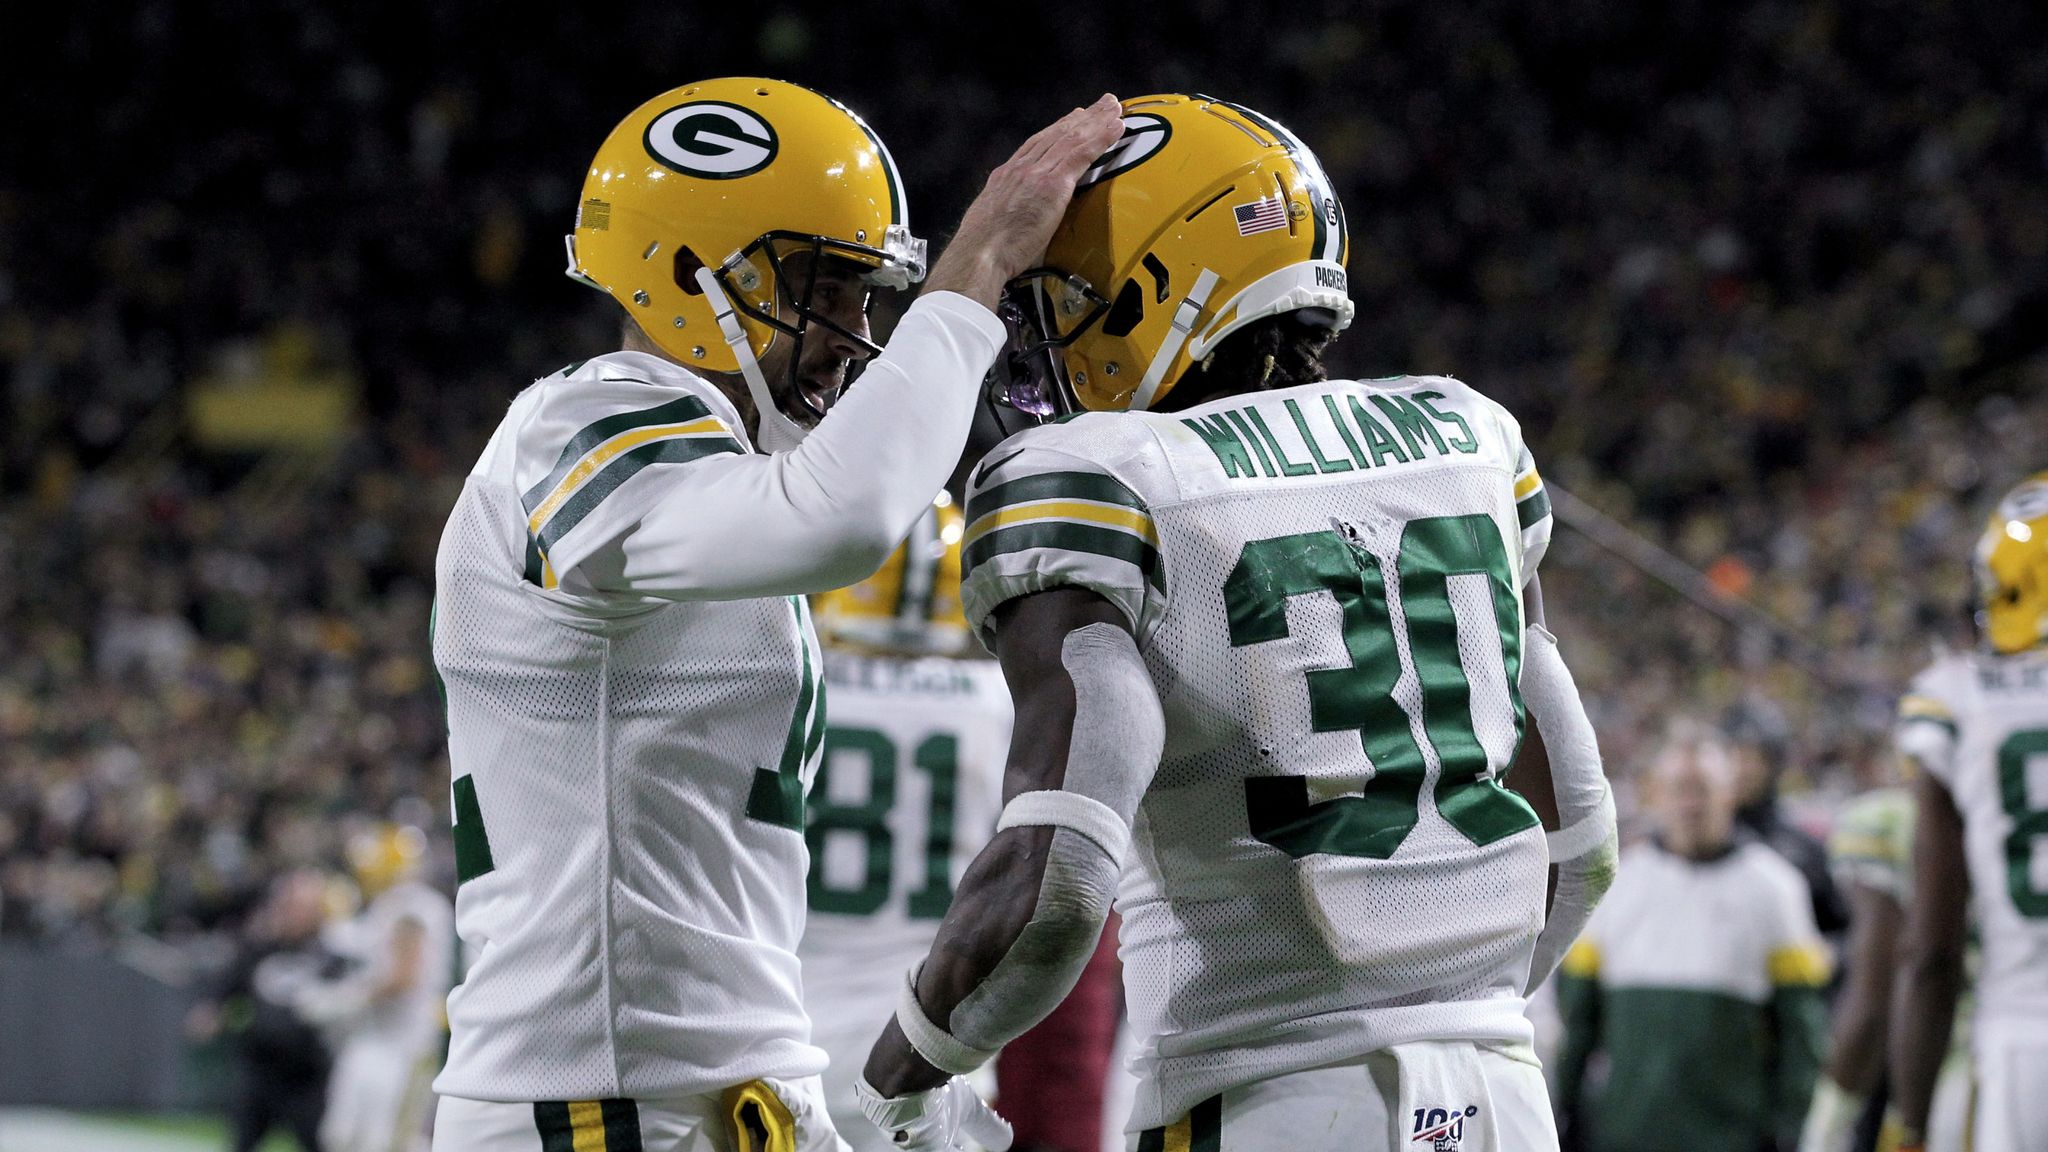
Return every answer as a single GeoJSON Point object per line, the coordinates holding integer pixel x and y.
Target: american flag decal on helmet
{"type": "Point", "coordinates": [1261, 216]}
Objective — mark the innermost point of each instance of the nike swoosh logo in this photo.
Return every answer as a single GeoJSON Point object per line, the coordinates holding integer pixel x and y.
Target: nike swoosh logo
{"type": "Point", "coordinates": [988, 466]}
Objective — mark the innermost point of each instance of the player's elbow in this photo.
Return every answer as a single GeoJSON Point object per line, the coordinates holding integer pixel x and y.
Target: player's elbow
{"type": "Point", "coordinates": [854, 549]}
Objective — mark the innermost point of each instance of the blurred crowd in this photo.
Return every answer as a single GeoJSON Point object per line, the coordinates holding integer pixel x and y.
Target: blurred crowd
{"type": "Point", "coordinates": [1765, 284]}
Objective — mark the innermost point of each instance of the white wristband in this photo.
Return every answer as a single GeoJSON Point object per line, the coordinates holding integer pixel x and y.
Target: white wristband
{"type": "Point", "coordinates": [932, 1042]}
{"type": "Point", "coordinates": [1059, 808]}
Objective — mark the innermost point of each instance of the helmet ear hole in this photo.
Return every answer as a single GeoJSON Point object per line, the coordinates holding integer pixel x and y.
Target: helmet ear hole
{"type": "Point", "coordinates": [1159, 278]}
{"type": "Point", "coordinates": [1128, 310]}
{"type": "Point", "coordinates": [687, 263]}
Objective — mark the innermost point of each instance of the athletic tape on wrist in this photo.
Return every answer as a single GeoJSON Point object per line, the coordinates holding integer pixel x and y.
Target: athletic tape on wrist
{"type": "Point", "coordinates": [1062, 809]}
{"type": "Point", "coordinates": [932, 1042]}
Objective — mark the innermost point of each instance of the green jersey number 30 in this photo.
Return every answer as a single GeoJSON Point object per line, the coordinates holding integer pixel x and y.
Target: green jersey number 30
{"type": "Point", "coordinates": [1359, 698]}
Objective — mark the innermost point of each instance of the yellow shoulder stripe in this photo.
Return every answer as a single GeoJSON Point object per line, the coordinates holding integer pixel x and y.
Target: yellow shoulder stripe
{"type": "Point", "coordinates": [1114, 516]}
{"type": "Point", "coordinates": [1583, 961]}
{"type": "Point", "coordinates": [1915, 706]}
{"type": "Point", "coordinates": [1800, 965]}
{"type": "Point", "coordinates": [606, 452]}
{"type": "Point", "coordinates": [1529, 482]}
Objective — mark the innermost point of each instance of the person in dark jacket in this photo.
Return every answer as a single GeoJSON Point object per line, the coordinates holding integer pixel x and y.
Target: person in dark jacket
{"type": "Point", "coordinates": [279, 1060]}
{"type": "Point", "coordinates": [1758, 733]}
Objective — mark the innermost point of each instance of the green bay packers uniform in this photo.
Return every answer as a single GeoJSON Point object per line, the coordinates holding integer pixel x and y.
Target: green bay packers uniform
{"type": "Point", "coordinates": [1872, 846]}
{"type": "Point", "coordinates": [1325, 583]}
{"type": "Point", "coordinates": [634, 687]}
{"type": "Point", "coordinates": [1978, 722]}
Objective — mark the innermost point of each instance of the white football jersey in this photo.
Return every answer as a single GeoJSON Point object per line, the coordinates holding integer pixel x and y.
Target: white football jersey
{"type": "Point", "coordinates": [628, 770]}
{"type": "Point", "coordinates": [1326, 584]}
{"type": "Point", "coordinates": [909, 785]}
{"type": "Point", "coordinates": [412, 1021]}
{"type": "Point", "coordinates": [1979, 723]}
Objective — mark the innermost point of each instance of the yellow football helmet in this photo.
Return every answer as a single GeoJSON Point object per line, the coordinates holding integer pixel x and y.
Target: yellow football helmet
{"type": "Point", "coordinates": [912, 605]}
{"type": "Point", "coordinates": [1205, 217]}
{"type": "Point", "coordinates": [697, 197]}
{"type": "Point", "coordinates": [382, 855]}
{"type": "Point", "coordinates": [2012, 569]}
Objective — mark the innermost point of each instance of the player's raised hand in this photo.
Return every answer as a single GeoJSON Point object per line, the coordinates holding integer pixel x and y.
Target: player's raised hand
{"type": "Point", "coordinates": [1006, 229]}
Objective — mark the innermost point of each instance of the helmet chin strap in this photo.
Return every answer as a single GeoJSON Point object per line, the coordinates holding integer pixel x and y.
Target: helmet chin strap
{"type": "Point", "coordinates": [774, 432]}
{"type": "Point", "coordinates": [1184, 316]}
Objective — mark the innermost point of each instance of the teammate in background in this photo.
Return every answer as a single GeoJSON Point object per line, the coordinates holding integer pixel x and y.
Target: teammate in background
{"type": "Point", "coordinates": [1700, 978]}
{"type": "Point", "coordinates": [1871, 853]}
{"type": "Point", "coordinates": [1976, 724]}
{"type": "Point", "coordinates": [1265, 634]}
{"type": "Point", "coordinates": [909, 783]}
{"type": "Point", "coordinates": [385, 1014]}
{"type": "Point", "coordinates": [631, 673]}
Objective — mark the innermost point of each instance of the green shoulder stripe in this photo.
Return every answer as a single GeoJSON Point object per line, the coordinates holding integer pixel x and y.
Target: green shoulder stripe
{"type": "Point", "coordinates": [625, 467]}
{"type": "Point", "coordinates": [1066, 536]}
{"type": "Point", "coordinates": [1535, 506]}
{"type": "Point", "coordinates": [1053, 486]}
{"type": "Point", "coordinates": [597, 432]}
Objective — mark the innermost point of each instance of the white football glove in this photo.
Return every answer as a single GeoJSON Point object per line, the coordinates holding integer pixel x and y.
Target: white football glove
{"type": "Point", "coordinates": [942, 1119]}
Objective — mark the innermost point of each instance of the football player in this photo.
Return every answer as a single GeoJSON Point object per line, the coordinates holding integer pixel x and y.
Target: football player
{"type": "Point", "coordinates": [1871, 855]}
{"type": "Point", "coordinates": [385, 1013]}
{"type": "Point", "coordinates": [909, 783]}
{"type": "Point", "coordinates": [632, 678]}
{"type": "Point", "coordinates": [1265, 634]}
{"type": "Point", "coordinates": [1976, 724]}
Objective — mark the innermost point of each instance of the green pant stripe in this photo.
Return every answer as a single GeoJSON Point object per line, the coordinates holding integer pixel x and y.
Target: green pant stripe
{"type": "Point", "coordinates": [1053, 486]}
{"type": "Point", "coordinates": [1152, 1140]}
{"type": "Point", "coordinates": [1535, 506]}
{"type": "Point", "coordinates": [674, 412]}
{"type": "Point", "coordinates": [551, 1119]}
{"type": "Point", "coordinates": [1205, 1126]}
{"type": "Point", "coordinates": [623, 468]}
{"type": "Point", "coordinates": [1069, 537]}
{"type": "Point", "coordinates": [621, 1125]}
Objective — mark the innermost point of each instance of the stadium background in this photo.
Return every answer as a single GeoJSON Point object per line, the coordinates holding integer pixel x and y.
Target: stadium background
{"type": "Point", "coordinates": [1767, 283]}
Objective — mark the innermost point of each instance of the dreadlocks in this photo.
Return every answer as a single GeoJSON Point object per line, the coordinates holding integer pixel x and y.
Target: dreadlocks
{"type": "Point", "coordinates": [1277, 352]}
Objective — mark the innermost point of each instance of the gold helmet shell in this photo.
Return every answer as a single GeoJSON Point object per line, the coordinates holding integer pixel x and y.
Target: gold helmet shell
{"type": "Point", "coordinates": [911, 606]}
{"type": "Point", "coordinates": [1205, 217]}
{"type": "Point", "coordinates": [732, 174]}
{"type": "Point", "coordinates": [384, 854]}
{"type": "Point", "coordinates": [2012, 569]}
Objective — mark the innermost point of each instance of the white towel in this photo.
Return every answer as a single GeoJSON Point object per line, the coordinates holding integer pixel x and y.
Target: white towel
{"type": "Point", "coordinates": [1445, 1105]}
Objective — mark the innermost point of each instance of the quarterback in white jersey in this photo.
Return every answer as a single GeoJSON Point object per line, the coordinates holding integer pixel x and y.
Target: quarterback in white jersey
{"type": "Point", "coordinates": [1977, 725]}
{"type": "Point", "coordinates": [385, 1014]}
{"type": "Point", "coordinates": [632, 679]}
{"type": "Point", "coordinates": [1267, 642]}
{"type": "Point", "coordinates": [909, 783]}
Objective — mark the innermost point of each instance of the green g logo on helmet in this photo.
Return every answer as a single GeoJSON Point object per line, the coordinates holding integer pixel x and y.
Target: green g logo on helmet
{"type": "Point", "coordinates": [712, 139]}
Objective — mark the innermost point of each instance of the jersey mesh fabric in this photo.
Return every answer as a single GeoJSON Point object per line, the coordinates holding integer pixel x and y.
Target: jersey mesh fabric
{"type": "Point", "coordinates": [1241, 961]}
{"type": "Point", "coordinates": [1996, 770]}
{"type": "Point", "coordinates": [636, 934]}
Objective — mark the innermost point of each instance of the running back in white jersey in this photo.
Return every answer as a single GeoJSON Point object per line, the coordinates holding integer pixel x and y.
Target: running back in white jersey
{"type": "Point", "coordinates": [1979, 723]}
{"type": "Point", "coordinates": [909, 785]}
{"type": "Point", "coordinates": [1326, 583]}
{"type": "Point", "coordinates": [628, 770]}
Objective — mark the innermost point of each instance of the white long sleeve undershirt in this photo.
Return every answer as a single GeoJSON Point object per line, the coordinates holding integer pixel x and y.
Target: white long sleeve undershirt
{"type": "Point", "coordinates": [821, 516]}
